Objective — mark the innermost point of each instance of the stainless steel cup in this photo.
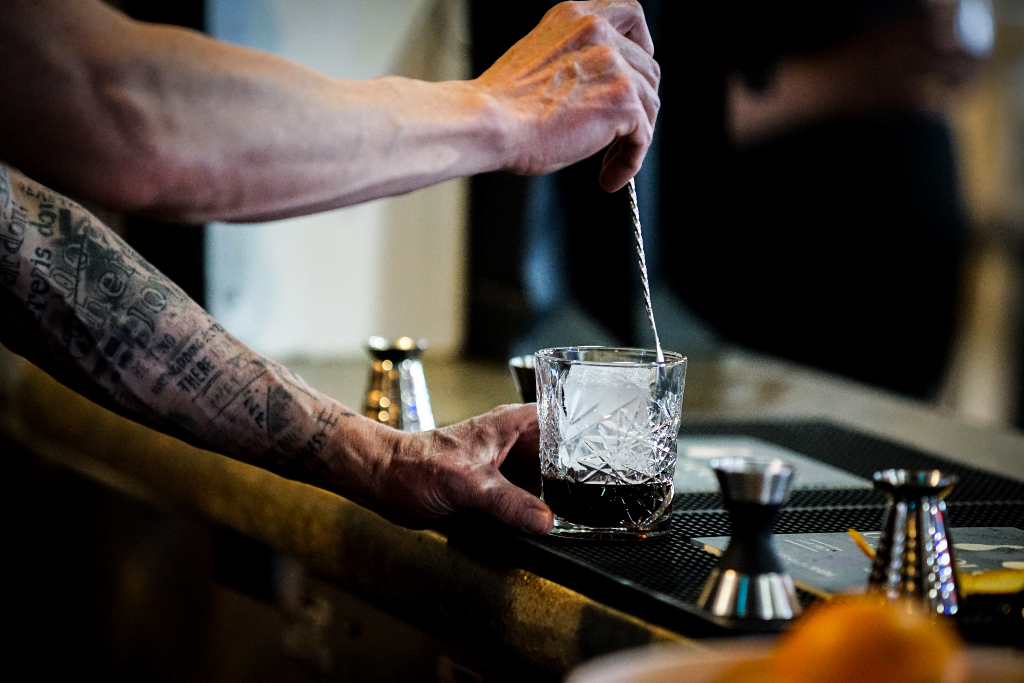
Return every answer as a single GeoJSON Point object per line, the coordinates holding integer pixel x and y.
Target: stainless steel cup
{"type": "Point", "coordinates": [396, 393]}
{"type": "Point", "coordinates": [914, 557]}
{"type": "Point", "coordinates": [749, 582]}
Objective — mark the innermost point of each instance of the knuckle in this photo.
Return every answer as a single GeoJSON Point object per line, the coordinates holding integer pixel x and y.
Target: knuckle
{"type": "Point", "coordinates": [623, 89]}
{"type": "Point", "coordinates": [590, 27]}
{"type": "Point", "coordinates": [605, 57]}
{"type": "Point", "coordinates": [514, 407]}
{"type": "Point", "coordinates": [441, 442]}
{"type": "Point", "coordinates": [644, 129]}
{"type": "Point", "coordinates": [460, 469]}
{"type": "Point", "coordinates": [565, 10]}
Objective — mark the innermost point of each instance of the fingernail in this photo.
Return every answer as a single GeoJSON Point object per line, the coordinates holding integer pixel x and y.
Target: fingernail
{"type": "Point", "coordinates": [540, 522]}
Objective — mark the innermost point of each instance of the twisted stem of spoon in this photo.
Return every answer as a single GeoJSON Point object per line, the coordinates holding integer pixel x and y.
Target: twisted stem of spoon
{"type": "Point", "coordinates": [643, 268]}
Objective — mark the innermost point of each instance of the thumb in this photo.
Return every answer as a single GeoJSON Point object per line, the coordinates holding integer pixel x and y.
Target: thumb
{"type": "Point", "coordinates": [511, 505]}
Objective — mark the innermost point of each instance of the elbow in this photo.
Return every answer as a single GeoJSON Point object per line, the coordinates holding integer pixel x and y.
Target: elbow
{"type": "Point", "coordinates": [133, 184]}
{"type": "Point", "coordinates": [131, 164]}
{"type": "Point", "coordinates": [137, 174]}
{"type": "Point", "coordinates": [96, 162]}
{"type": "Point", "coordinates": [151, 184]}
{"type": "Point", "coordinates": [154, 165]}
{"type": "Point", "coordinates": [137, 183]}
{"type": "Point", "coordinates": [120, 180]}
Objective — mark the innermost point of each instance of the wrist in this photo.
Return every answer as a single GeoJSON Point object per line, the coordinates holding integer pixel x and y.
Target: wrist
{"type": "Point", "coordinates": [358, 452]}
{"type": "Point", "coordinates": [494, 126]}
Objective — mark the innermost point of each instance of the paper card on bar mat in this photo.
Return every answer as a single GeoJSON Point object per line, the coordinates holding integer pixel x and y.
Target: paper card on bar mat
{"type": "Point", "coordinates": [832, 562]}
{"type": "Point", "coordinates": [694, 475]}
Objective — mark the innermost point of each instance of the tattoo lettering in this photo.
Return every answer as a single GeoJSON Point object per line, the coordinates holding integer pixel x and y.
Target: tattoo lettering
{"type": "Point", "coordinates": [230, 388]}
{"type": "Point", "coordinates": [39, 287]}
{"type": "Point", "coordinates": [5, 193]}
{"type": "Point", "coordinates": [197, 375]}
{"type": "Point", "coordinates": [181, 360]}
{"type": "Point", "coordinates": [326, 419]}
{"type": "Point", "coordinates": [279, 405]}
{"type": "Point", "coordinates": [116, 328]}
{"type": "Point", "coordinates": [254, 409]}
{"type": "Point", "coordinates": [9, 269]}
{"type": "Point", "coordinates": [13, 234]}
{"type": "Point", "coordinates": [46, 218]}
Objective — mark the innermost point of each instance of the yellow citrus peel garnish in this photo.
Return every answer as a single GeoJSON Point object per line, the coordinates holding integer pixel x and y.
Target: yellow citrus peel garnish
{"type": "Point", "coordinates": [993, 582]}
{"type": "Point", "coordinates": [861, 543]}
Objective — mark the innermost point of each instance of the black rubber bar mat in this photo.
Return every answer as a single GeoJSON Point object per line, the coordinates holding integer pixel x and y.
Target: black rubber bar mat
{"type": "Point", "coordinates": [659, 580]}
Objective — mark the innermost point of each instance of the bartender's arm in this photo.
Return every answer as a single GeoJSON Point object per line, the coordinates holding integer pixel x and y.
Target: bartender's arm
{"type": "Point", "coordinates": [80, 303]}
{"type": "Point", "coordinates": [162, 120]}
{"type": "Point", "coordinates": [170, 123]}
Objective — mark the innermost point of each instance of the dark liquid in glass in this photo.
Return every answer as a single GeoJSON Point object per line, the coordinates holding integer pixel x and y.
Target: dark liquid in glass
{"type": "Point", "coordinates": [604, 505]}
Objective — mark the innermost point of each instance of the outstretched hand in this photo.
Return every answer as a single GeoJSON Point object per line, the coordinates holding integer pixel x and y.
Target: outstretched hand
{"type": "Point", "coordinates": [584, 79]}
{"type": "Point", "coordinates": [430, 475]}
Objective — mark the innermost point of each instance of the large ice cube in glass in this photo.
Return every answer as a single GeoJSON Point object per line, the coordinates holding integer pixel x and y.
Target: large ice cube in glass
{"type": "Point", "coordinates": [612, 424]}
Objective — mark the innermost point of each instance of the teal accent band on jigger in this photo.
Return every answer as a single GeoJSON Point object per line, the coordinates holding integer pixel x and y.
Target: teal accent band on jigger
{"type": "Point", "coordinates": [914, 557]}
{"type": "Point", "coordinates": [749, 582]}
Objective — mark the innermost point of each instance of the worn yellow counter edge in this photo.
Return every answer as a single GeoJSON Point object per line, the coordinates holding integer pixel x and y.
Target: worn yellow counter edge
{"type": "Point", "coordinates": [415, 575]}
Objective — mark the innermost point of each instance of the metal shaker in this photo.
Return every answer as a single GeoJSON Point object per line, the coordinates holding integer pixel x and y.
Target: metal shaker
{"type": "Point", "coordinates": [749, 582]}
{"type": "Point", "coordinates": [396, 394]}
{"type": "Point", "coordinates": [914, 557]}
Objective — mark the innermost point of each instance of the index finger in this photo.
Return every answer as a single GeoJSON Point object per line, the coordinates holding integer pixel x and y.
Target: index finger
{"type": "Point", "coordinates": [517, 425]}
{"type": "Point", "coordinates": [627, 16]}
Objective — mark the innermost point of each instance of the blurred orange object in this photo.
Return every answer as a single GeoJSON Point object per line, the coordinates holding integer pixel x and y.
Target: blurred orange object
{"type": "Point", "coordinates": [746, 660]}
{"type": "Point", "coordinates": [868, 639]}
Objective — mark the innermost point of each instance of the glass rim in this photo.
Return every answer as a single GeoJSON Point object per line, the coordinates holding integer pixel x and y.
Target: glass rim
{"type": "Point", "coordinates": [672, 358]}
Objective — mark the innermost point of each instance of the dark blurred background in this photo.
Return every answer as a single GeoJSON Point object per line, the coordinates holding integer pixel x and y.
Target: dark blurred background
{"type": "Point", "coordinates": [838, 183]}
{"type": "Point", "coordinates": [803, 197]}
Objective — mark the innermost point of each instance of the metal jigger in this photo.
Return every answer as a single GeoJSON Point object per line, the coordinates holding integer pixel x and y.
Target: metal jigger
{"type": "Point", "coordinates": [749, 581]}
{"type": "Point", "coordinates": [914, 557]}
{"type": "Point", "coordinates": [397, 389]}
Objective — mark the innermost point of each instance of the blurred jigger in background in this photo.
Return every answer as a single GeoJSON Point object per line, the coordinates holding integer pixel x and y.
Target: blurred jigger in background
{"type": "Point", "coordinates": [524, 373]}
{"type": "Point", "coordinates": [396, 393]}
{"type": "Point", "coordinates": [749, 581]}
{"type": "Point", "coordinates": [914, 557]}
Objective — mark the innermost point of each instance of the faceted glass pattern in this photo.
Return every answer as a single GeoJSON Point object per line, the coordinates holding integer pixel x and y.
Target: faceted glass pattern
{"type": "Point", "coordinates": [609, 416]}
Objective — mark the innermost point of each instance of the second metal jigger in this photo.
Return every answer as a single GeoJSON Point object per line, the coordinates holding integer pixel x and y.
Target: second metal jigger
{"type": "Point", "coordinates": [749, 581]}
{"type": "Point", "coordinates": [915, 557]}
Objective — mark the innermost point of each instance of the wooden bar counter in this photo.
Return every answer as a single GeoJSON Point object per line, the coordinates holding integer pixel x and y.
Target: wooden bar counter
{"type": "Point", "coordinates": [349, 595]}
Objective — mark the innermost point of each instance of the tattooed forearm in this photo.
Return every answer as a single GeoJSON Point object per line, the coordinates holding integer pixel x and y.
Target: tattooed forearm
{"type": "Point", "coordinates": [84, 306]}
{"type": "Point", "coordinates": [78, 301]}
